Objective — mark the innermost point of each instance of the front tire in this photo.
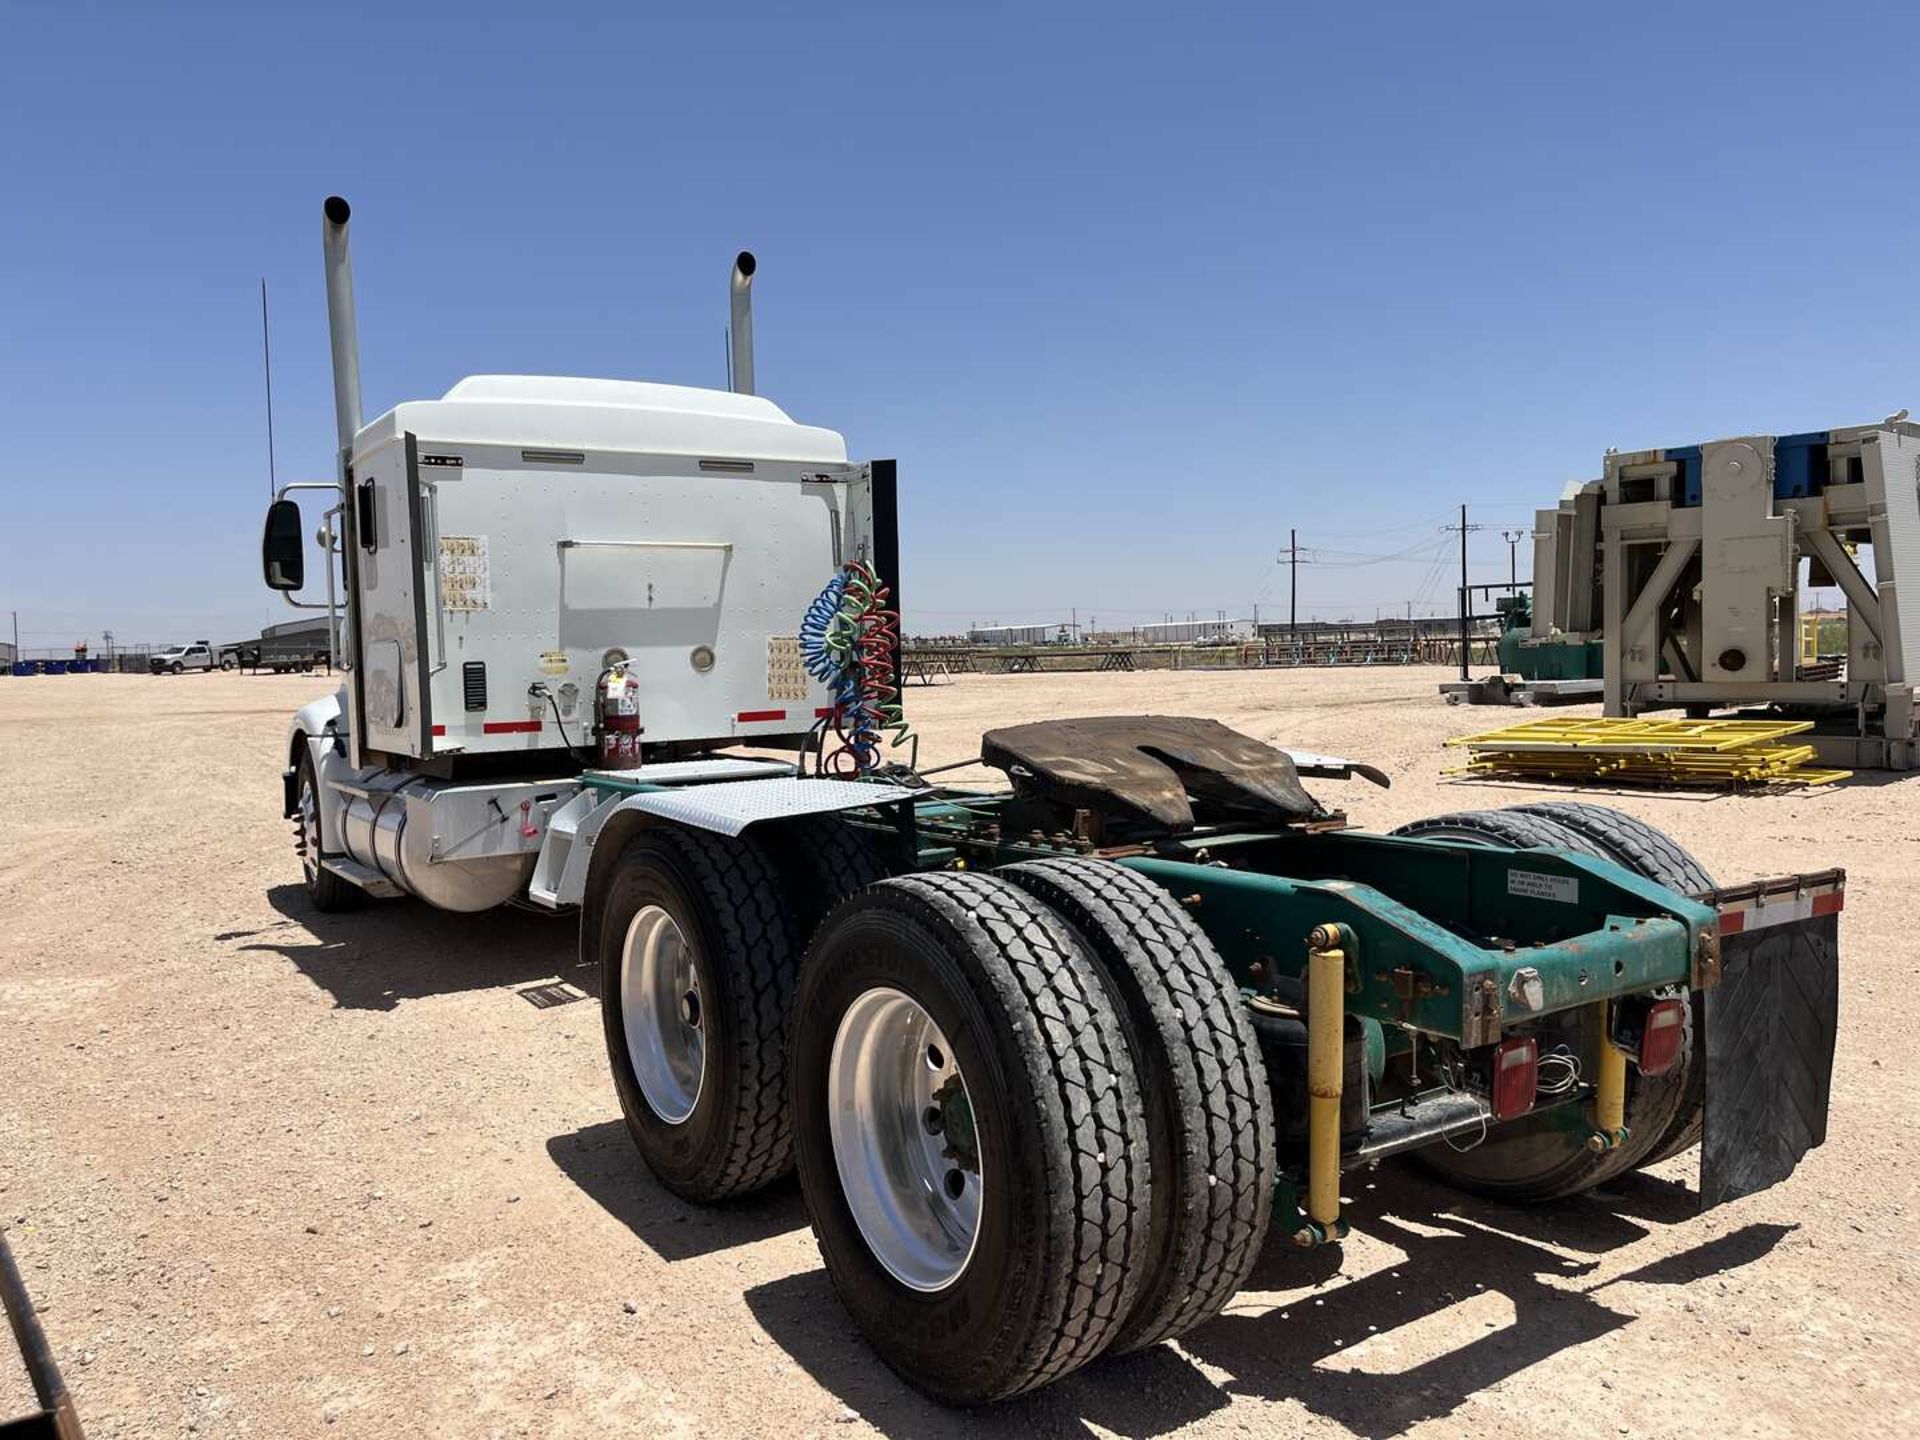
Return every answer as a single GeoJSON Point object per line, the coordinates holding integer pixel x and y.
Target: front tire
{"type": "Point", "coordinates": [697, 961]}
{"type": "Point", "coordinates": [1030, 1158]}
{"type": "Point", "coordinates": [328, 892]}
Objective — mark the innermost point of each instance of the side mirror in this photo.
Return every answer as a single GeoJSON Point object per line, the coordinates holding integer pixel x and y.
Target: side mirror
{"type": "Point", "coordinates": [283, 558]}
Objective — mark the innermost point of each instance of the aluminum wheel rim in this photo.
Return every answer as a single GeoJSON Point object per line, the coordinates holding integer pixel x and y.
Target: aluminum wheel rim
{"type": "Point", "coordinates": [896, 1105]}
{"type": "Point", "coordinates": [309, 806]}
{"type": "Point", "coordinates": [662, 1012]}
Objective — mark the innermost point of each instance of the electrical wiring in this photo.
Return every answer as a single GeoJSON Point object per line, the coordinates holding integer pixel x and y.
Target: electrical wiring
{"type": "Point", "coordinates": [1557, 1073]}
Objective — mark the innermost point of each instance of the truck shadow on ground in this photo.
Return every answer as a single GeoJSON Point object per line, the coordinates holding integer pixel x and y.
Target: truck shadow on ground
{"type": "Point", "coordinates": [602, 1161]}
{"type": "Point", "coordinates": [1308, 1342]}
{"type": "Point", "coordinates": [394, 950]}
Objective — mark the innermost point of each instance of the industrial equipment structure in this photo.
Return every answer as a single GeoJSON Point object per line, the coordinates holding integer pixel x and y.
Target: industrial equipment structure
{"type": "Point", "coordinates": [1059, 633]}
{"type": "Point", "coordinates": [1050, 1061]}
{"type": "Point", "coordinates": [1686, 565]}
{"type": "Point", "coordinates": [1198, 632]}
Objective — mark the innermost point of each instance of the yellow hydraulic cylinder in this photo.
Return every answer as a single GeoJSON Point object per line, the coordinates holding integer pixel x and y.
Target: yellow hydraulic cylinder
{"type": "Point", "coordinates": [1326, 1064]}
{"type": "Point", "coordinates": [1609, 1088]}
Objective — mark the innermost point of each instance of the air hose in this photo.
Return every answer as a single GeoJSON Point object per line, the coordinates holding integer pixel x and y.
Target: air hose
{"type": "Point", "coordinates": [848, 640]}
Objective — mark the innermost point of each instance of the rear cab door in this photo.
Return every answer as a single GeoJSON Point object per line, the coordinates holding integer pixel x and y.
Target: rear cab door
{"type": "Point", "coordinates": [384, 505]}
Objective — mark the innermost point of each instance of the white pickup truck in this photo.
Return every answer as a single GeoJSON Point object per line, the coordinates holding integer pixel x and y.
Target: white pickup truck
{"type": "Point", "coordinates": [197, 656]}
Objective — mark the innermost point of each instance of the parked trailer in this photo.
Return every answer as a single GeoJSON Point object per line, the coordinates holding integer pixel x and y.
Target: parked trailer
{"type": "Point", "coordinates": [1051, 1062]}
{"type": "Point", "coordinates": [299, 645]}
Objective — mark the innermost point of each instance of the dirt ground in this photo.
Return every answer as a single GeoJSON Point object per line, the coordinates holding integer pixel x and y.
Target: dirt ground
{"type": "Point", "coordinates": [274, 1173]}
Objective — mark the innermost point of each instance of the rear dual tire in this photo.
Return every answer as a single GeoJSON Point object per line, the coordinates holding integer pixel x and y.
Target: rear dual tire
{"type": "Point", "coordinates": [1203, 1084]}
{"type": "Point", "coordinates": [1045, 1153]}
{"type": "Point", "coordinates": [1030, 1120]}
{"type": "Point", "coordinates": [1651, 852]}
{"type": "Point", "coordinates": [697, 959]}
{"type": "Point", "coordinates": [1544, 1158]}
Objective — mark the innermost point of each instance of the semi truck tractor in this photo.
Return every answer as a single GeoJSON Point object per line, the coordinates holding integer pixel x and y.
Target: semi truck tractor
{"type": "Point", "coordinates": [1054, 1059]}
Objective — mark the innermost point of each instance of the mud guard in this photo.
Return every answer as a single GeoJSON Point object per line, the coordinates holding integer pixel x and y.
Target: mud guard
{"type": "Point", "coordinates": [1770, 1026]}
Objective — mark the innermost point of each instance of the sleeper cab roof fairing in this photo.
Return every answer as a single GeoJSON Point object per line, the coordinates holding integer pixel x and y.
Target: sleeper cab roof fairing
{"type": "Point", "coordinates": [552, 412]}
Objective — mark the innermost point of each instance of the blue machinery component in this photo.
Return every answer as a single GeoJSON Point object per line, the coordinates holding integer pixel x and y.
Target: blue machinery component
{"type": "Point", "coordinates": [1800, 467]}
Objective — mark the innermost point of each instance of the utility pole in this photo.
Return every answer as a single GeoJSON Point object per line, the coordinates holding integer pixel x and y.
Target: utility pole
{"type": "Point", "coordinates": [1292, 556]}
{"type": "Point", "coordinates": [1466, 597]}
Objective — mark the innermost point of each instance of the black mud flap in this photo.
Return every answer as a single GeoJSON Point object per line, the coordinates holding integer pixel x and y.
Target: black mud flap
{"type": "Point", "coordinates": [1770, 1026]}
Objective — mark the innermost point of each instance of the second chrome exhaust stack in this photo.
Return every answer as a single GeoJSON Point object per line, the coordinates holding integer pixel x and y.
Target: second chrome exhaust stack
{"type": "Point", "coordinates": [740, 323]}
{"type": "Point", "coordinates": [342, 330]}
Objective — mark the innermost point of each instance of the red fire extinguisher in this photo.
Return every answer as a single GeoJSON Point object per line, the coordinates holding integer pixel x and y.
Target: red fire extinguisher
{"type": "Point", "coordinates": [617, 700]}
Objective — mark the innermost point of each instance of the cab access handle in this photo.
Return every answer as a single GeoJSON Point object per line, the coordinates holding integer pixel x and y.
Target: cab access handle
{"type": "Point", "coordinates": [364, 513]}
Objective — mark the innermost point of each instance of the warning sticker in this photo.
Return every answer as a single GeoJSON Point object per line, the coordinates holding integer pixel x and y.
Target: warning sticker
{"type": "Point", "coordinates": [786, 671]}
{"type": "Point", "coordinates": [555, 662]}
{"type": "Point", "coordinates": [463, 573]}
{"type": "Point", "coordinates": [1534, 886]}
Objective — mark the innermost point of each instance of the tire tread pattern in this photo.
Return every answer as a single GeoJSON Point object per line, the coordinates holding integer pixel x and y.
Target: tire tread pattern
{"type": "Point", "coordinates": [1203, 1058]}
{"type": "Point", "coordinates": [758, 960]}
{"type": "Point", "coordinates": [1090, 1105]}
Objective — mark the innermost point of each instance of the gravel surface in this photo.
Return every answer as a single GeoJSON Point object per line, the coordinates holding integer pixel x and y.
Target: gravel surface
{"type": "Point", "coordinates": [274, 1173]}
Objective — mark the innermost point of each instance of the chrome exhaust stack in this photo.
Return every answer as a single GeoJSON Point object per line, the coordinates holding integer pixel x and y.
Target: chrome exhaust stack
{"type": "Point", "coordinates": [342, 332]}
{"type": "Point", "coordinates": [740, 326]}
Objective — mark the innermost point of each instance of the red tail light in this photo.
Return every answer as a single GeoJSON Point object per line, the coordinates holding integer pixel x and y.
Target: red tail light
{"type": "Point", "coordinates": [1515, 1077]}
{"type": "Point", "coordinates": [1660, 1041]}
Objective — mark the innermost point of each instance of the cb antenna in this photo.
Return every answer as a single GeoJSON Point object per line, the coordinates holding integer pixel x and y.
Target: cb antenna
{"type": "Point", "coordinates": [266, 356]}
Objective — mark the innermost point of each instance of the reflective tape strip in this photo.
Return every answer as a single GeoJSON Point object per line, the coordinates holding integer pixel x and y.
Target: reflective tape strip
{"type": "Point", "coordinates": [1736, 919]}
{"type": "Point", "coordinates": [754, 717]}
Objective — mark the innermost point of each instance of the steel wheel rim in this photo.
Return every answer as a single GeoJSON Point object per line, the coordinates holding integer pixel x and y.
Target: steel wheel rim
{"type": "Point", "coordinates": [663, 1014]}
{"type": "Point", "coordinates": [914, 1186]}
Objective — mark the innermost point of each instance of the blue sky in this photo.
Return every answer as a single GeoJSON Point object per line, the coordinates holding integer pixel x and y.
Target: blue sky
{"type": "Point", "coordinates": [1127, 290]}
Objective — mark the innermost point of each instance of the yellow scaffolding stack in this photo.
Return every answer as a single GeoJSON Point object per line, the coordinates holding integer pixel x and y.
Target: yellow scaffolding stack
{"type": "Point", "coordinates": [1647, 752]}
